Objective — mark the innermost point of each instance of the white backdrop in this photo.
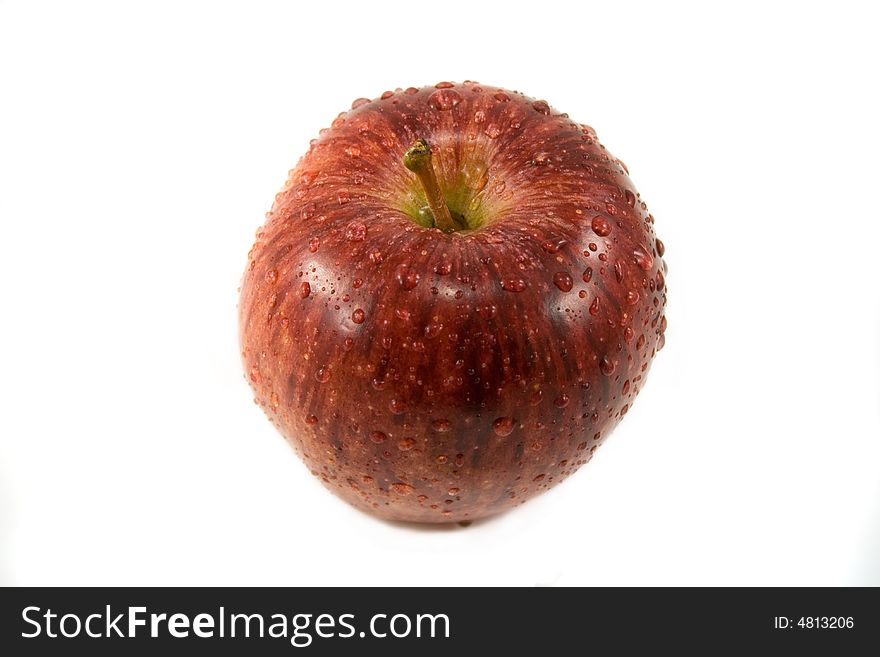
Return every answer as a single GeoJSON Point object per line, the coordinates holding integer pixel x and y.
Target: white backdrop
{"type": "Point", "coordinates": [141, 143]}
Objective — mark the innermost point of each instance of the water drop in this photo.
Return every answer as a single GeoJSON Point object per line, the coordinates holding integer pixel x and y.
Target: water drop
{"type": "Point", "coordinates": [358, 316]}
{"type": "Point", "coordinates": [601, 226]}
{"type": "Point", "coordinates": [630, 198]}
{"type": "Point", "coordinates": [541, 107]}
{"type": "Point", "coordinates": [378, 437]}
{"type": "Point", "coordinates": [441, 425]}
{"type": "Point", "coordinates": [406, 444]}
{"type": "Point", "coordinates": [360, 101]}
{"type": "Point", "coordinates": [563, 281]}
{"type": "Point", "coordinates": [493, 130]}
{"type": "Point", "coordinates": [402, 489]}
{"type": "Point", "coordinates": [407, 277]}
{"type": "Point", "coordinates": [503, 426]}
{"type": "Point", "coordinates": [453, 491]}
{"type": "Point", "coordinates": [607, 366]}
{"type": "Point", "coordinates": [661, 248]}
{"type": "Point", "coordinates": [397, 406]}
{"type": "Point", "coordinates": [588, 274]}
{"type": "Point", "coordinates": [643, 259]}
{"type": "Point", "coordinates": [322, 375]}
{"type": "Point", "coordinates": [594, 307]}
{"type": "Point", "coordinates": [561, 401]}
{"type": "Point", "coordinates": [443, 85]}
{"type": "Point", "coordinates": [311, 420]}
{"type": "Point", "coordinates": [632, 297]}
{"type": "Point", "coordinates": [304, 290]}
{"type": "Point", "coordinates": [314, 243]}
{"type": "Point", "coordinates": [513, 284]}
{"type": "Point", "coordinates": [272, 276]}
{"type": "Point", "coordinates": [444, 99]}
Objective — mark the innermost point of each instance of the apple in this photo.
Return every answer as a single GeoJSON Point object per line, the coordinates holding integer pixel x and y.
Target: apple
{"type": "Point", "coordinates": [455, 298]}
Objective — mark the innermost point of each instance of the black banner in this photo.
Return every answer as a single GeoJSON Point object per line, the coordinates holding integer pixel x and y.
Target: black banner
{"type": "Point", "coordinates": [332, 621]}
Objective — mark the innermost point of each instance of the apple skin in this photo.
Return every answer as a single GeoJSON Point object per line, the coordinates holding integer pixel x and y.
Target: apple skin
{"type": "Point", "coordinates": [434, 377]}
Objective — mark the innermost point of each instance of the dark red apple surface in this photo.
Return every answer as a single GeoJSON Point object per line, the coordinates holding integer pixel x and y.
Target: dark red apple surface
{"type": "Point", "coordinates": [453, 301]}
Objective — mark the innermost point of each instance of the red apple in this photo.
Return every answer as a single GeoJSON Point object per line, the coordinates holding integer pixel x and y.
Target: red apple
{"type": "Point", "coordinates": [454, 300]}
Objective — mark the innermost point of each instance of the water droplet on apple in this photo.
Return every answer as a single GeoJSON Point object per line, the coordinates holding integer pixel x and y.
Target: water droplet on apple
{"type": "Point", "coordinates": [397, 406]}
{"type": "Point", "coordinates": [272, 276]}
{"type": "Point", "coordinates": [311, 420]}
{"type": "Point", "coordinates": [378, 437]}
{"type": "Point", "coordinates": [406, 444]}
{"type": "Point", "coordinates": [304, 290]}
{"type": "Point", "coordinates": [358, 102]}
{"type": "Point", "coordinates": [493, 130]}
{"type": "Point", "coordinates": [503, 426]}
{"type": "Point", "coordinates": [618, 271]}
{"type": "Point", "coordinates": [607, 366]}
{"type": "Point", "coordinates": [594, 307]}
{"type": "Point", "coordinates": [358, 316]}
{"type": "Point", "coordinates": [314, 243]}
{"type": "Point", "coordinates": [561, 401]}
{"type": "Point", "coordinates": [441, 459]}
{"type": "Point", "coordinates": [601, 226]}
{"type": "Point", "coordinates": [502, 97]}
{"type": "Point", "coordinates": [552, 246]}
{"type": "Point", "coordinates": [356, 231]}
{"type": "Point", "coordinates": [541, 107]}
{"type": "Point", "coordinates": [630, 198]}
{"type": "Point", "coordinates": [444, 99]}
{"type": "Point", "coordinates": [632, 297]}
{"type": "Point", "coordinates": [513, 284]}
{"type": "Point", "coordinates": [588, 274]}
{"type": "Point", "coordinates": [443, 85]}
{"type": "Point", "coordinates": [643, 259]}
{"type": "Point", "coordinates": [322, 375]}
{"type": "Point", "coordinates": [402, 489]}
{"type": "Point", "coordinates": [407, 277]}
{"type": "Point", "coordinates": [661, 248]}
{"type": "Point", "coordinates": [441, 425]}
{"type": "Point", "coordinates": [563, 281]}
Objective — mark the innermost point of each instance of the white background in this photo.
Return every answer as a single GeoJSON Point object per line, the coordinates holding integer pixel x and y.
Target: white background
{"type": "Point", "coordinates": [141, 143]}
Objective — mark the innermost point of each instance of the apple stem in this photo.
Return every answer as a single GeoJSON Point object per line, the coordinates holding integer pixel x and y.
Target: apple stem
{"type": "Point", "coordinates": [418, 160]}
